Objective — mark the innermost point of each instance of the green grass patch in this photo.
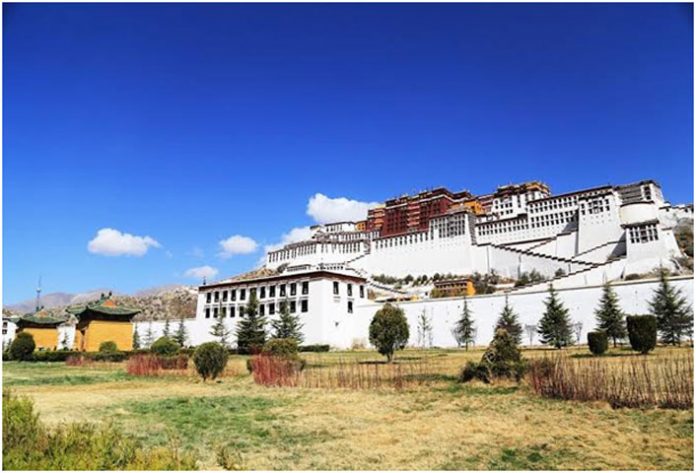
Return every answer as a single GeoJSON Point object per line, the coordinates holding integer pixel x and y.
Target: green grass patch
{"type": "Point", "coordinates": [243, 423]}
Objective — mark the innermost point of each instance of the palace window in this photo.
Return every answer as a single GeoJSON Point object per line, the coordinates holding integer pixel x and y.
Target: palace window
{"type": "Point", "coordinates": [241, 311]}
{"type": "Point", "coordinates": [362, 292]}
{"type": "Point", "coordinates": [271, 308]}
{"type": "Point", "coordinates": [282, 290]}
{"type": "Point", "coordinates": [232, 311]}
{"type": "Point", "coordinates": [242, 294]}
{"type": "Point", "coordinates": [335, 287]}
{"type": "Point", "coordinates": [305, 288]}
{"type": "Point", "coordinates": [262, 292]}
{"type": "Point", "coordinates": [207, 297]}
{"type": "Point", "coordinates": [293, 307]}
{"type": "Point", "coordinates": [350, 307]}
{"type": "Point", "coordinates": [224, 296]}
{"type": "Point", "coordinates": [207, 312]}
{"type": "Point", "coordinates": [217, 296]}
{"type": "Point", "coordinates": [271, 291]}
{"type": "Point", "coordinates": [304, 305]}
{"type": "Point", "coordinates": [262, 309]}
{"type": "Point", "coordinates": [350, 290]}
{"type": "Point", "coordinates": [233, 293]}
{"type": "Point", "coordinates": [223, 314]}
{"type": "Point", "coordinates": [293, 289]}
{"type": "Point", "coordinates": [215, 313]}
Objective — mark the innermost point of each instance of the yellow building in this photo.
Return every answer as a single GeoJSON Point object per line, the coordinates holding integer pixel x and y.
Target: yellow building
{"type": "Point", "coordinates": [101, 321]}
{"type": "Point", "coordinates": [42, 327]}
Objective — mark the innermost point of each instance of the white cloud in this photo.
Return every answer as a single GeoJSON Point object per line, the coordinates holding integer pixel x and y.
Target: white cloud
{"type": "Point", "coordinates": [293, 236]}
{"type": "Point", "coordinates": [111, 242]}
{"type": "Point", "coordinates": [201, 272]}
{"type": "Point", "coordinates": [325, 209]}
{"type": "Point", "coordinates": [237, 245]}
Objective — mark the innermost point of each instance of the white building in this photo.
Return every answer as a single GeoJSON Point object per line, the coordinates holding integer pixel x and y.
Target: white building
{"type": "Point", "coordinates": [605, 232]}
{"type": "Point", "coordinates": [325, 301]}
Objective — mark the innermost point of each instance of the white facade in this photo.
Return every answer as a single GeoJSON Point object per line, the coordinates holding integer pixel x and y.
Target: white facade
{"type": "Point", "coordinates": [573, 232]}
{"type": "Point", "coordinates": [328, 320]}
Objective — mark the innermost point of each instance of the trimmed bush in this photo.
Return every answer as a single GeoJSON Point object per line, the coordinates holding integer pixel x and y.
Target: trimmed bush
{"type": "Point", "coordinates": [111, 356]}
{"type": "Point", "coordinates": [53, 356]}
{"type": "Point", "coordinates": [316, 348]}
{"type": "Point", "coordinates": [642, 332]}
{"type": "Point", "coordinates": [165, 346]}
{"type": "Point", "coordinates": [280, 347]}
{"type": "Point", "coordinates": [22, 347]}
{"type": "Point", "coordinates": [107, 347]}
{"type": "Point", "coordinates": [389, 330]}
{"type": "Point", "coordinates": [210, 360]}
{"type": "Point", "coordinates": [598, 342]}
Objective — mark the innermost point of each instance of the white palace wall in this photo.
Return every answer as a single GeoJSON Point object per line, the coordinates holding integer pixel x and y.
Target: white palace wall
{"type": "Point", "coordinates": [341, 330]}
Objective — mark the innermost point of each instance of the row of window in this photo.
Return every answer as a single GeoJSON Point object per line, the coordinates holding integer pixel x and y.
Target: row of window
{"type": "Point", "coordinates": [560, 218]}
{"type": "Point", "coordinates": [232, 311]}
{"type": "Point", "coordinates": [339, 247]}
{"type": "Point", "coordinates": [643, 234]}
{"type": "Point", "coordinates": [215, 296]}
{"type": "Point", "coordinates": [349, 290]}
{"type": "Point", "coordinates": [553, 204]}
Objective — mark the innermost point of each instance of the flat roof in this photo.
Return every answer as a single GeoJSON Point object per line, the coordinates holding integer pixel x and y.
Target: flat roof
{"type": "Point", "coordinates": [313, 274]}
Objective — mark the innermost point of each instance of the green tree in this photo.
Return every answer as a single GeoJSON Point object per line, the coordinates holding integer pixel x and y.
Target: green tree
{"type": "Point", "coordinates": [149, 336]}
{"type": "Point", "coordinates": [251, 329]}
{"type": "Point", "coordinates": [22, 347]}
{"type": "Point", "coordinates": [389, 330]}
{"type": "Point", "coordinates": [136, 339]}
{"type": "Point", "coordinates": [509, 321]}
{"type": "Point", "coordinates": [166, 331]}
{"type": "Point", "coordinates": [673, 313]}
{"type": "Point", "coordinates": [464, 329]}
{"type": "Point", "coordinates": [287, 325]}
{"type": "Point", "coordinates": [610, 317]}
{"type": "Point", "coordinates": [425, 330]}
{"type": "Point", "coordinates": [220, 331]}
{"type": "Point", "coordinates": [180, 335]}
{"type": "Point", "coordinates": [554, 327]}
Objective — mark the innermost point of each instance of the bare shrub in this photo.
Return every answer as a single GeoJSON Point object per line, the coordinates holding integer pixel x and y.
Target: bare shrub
{"type": "Point", "coordinates": [633, 382]}
{"type": "Point", "coordinates": [270, 370]}
{"type": "Point", "coordinates": [144, 365]}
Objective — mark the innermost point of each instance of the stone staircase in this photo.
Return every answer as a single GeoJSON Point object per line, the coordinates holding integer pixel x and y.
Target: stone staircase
{"type": "Point", "coordinates": [544, 284]}
{"type": "Point", "coordinates": [542, 255]}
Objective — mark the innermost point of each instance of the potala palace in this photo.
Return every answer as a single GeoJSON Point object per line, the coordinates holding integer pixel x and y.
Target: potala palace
{"type": "Point", "coordinates": [577, 241]}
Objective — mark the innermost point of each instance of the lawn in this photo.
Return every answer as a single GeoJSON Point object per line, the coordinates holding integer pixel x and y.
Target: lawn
{"type": "Point", "coordinates": [438, 424]}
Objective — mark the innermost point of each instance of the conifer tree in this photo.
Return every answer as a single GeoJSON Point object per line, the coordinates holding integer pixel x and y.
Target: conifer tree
{"type": "Point", "coordinates": [673, 313]}
{"type": "Point", "coordinates": [149, 336]}
{"type": "Point", "coordinates": [464, 330]}
{"type": "Point", "coordinates": [610, 317]}
{"type": "Point", "coordinates": [509, 321]}
{"type": "Point", "coordinates": [251, 329]}
{"type": "Point", "coordinates": [287, 325]}
{"type": "Point", "coordinates": [166, 331]}
{"type": "Point", "coordinates": [136, 339]}
{"type": "Point", "coordinates": [425, 330]}
{"type": "Point", "coordinates": [554, 327]}
{"type": "Point", "coordinates": [220, 331]}
{"type": "Point", "coordinates": [180, 335]}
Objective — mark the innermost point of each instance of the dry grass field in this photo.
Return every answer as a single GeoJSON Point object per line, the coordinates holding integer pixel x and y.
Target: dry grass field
{"type": "Point", "coordinates": [329, 421]}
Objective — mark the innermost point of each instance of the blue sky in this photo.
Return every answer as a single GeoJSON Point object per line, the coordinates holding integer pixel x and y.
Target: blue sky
{"type": "Point", "coordinates": [180, 126]}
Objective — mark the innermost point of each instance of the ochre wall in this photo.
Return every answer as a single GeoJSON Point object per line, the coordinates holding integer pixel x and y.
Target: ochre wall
{"type": "Point", "coordinates": [43, 337]}
{"type": "Point", "coordinates": [98, 331]}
